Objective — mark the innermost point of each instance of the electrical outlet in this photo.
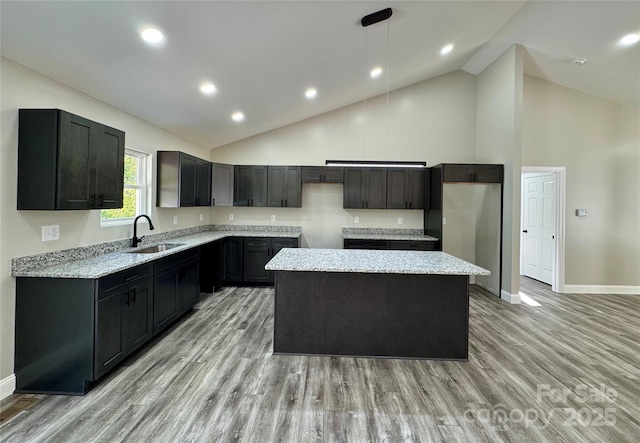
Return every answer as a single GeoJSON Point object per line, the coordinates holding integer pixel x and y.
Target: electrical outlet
{"type": "Point", "coordinates": [400, 220]}
{"type": "Point", "coordinates": [273, 217]}
{"type": "Point", "coordinates": [356, 219]}
{"type": "Point", "coordinates": [175, 219]}
{"type": "Point", "coordinates": [230, 217]}
{"type": "Point", "coordinates": [201, 217]}
{"type": "Point", "coordinates": [444, 221]}
{"type": "Point", "coordinates": [51, 232]}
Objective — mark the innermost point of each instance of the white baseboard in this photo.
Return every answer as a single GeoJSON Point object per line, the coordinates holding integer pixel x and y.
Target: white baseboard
{"type": "Point", "coordinates": [486, 288]}
{"type": "Point", "coordinates": [514, 299]}
{"type": "Point", "coordinates": [7, 386]}
{"type": "Point", "coordinates": [601, 289]}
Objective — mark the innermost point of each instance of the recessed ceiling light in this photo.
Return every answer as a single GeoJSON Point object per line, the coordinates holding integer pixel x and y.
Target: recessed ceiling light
{"type": "Point", "coordinates": [630, 39]}
{"type": "Point", "coordinates": [447, 49]}
{"type": "Point", "coordinates": [152, 35]}
{"type": "Point", "coordinates": [208, 88]}
{"type": "Point", "coordinates": [310, 93]}
{"type": "Point", "coordinates": [237, 116]}
{"type": "Point", "coordinates": [375, 72]}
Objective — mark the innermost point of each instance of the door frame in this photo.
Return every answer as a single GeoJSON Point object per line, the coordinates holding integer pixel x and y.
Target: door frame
{"type": "Point", "coordinates": [560, 178]}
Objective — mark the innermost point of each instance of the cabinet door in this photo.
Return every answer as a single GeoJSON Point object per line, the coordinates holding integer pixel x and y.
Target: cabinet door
{"type": "Point", "coordinates": [74, 155]}
{"type": "Point", "coordinates": [234, 259]}
{"type": "Point", "coordinates": [293, 187]}
{"type": "Point", "coordinates": [255, 257]}
{"type": "Point", "coordinates": [187, 180]}
{"type": "Point", "coordinates": [259, 185]}
{"type": "Point", "coordinates": [397, 197]}
{"type": "Point", "coordinates": [222, 185]}
{"type": "Point", "coordinates": [110, 347]}
{"type": "Point", "coordinates": [415, 188]}
{"type": "Point", "coordinates": [312, 174]}
{"type": "Point", "coordinates": [242, 185]}
{"type": "Point", "coordinates": [488, 173]}
{"type": "Point", "coordinates": [276, 245]}
{"type": "Point", "coordinates": [277, 182]}
{"type": "Point", "coordinates": [333, 174]}
{"type": "Point", "coordinates": [165, 300]}
{"type": "Point", "coordinates": [457, 173]}
{"type": "Point", "coordinates": [203, 183]}
{"type": "Point", "coordinates": [376, 188]}
{"type": "Point", "coordinates": [188, 285]}
{"type": "Point", "coordinates": [354, 180]}
{"type": "Point", "coordinates": [108, 167]}
{"type": "Point", "coordinates": [138, 315]}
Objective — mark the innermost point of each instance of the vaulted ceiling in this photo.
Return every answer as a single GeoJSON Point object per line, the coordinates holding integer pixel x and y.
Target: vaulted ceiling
{"type": "Point", "coordinates": [263, 55]}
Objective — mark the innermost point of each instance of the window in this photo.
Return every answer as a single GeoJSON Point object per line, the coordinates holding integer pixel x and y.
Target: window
{"type": "Point", "coordinates": [136, 190]}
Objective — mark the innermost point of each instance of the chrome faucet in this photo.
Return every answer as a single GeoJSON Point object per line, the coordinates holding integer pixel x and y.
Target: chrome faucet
{"type": "Point", "coordinates": [135, 240]}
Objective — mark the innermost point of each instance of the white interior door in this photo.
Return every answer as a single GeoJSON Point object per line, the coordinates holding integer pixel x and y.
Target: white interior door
{"type": "Point", "coordinates": [538, 227]}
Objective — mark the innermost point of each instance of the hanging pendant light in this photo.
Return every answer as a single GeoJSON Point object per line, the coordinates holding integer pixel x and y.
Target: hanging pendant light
{"type": "Point", "coordinates": [366, 21]}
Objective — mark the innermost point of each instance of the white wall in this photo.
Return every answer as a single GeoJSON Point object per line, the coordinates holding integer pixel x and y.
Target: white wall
{"type": "Point", "coordinates": [432, 121]}
{"type": "Point", "coordinates": [20, 231]}
{"type": "Point", "coordinates": [598, 141]}
{"type": "Point", "coordinates": [499, 140]}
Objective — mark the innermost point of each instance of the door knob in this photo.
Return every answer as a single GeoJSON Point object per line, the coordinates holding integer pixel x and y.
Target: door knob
{"type": "Point", "coordinates": [525, 231]}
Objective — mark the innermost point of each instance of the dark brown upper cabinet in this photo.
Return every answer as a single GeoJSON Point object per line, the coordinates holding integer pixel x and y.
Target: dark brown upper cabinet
{"type": "Point", "coordinates": [221, 184]}
{"type": "Point", "coordinates": [322, 174]}
{"type": "Point", "coordinates": [472, 173]}
{"type": "Point", "coordinates": [68, 162]}
{"type": "Point", "coordinates": [365, 188]}
{"type": "Point", "coordinates": [284, 186]}
{"type": "Point", "coordinates": [406, 188]}
{"type": "Point", "coordinates": [249, 185]}
{"type": "Point", "coordinates": [182, 180]}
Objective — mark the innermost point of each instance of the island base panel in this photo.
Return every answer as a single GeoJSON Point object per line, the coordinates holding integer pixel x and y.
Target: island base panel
{"type": "Point", "coordinates": [373, 315]}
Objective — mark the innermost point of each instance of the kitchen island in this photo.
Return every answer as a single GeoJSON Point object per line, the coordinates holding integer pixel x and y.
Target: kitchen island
{"type": "Point", "coordinates": [403, 304]}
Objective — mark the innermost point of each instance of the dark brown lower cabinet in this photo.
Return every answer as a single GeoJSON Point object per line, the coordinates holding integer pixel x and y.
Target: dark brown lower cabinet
{"type": "Point", "coordinates": [176, 287]}
{"type": "Point", "coordinates": [257, 253]}
{"type": "Point", "coordinates": [70, 332]}
{"type": "Point", "coordinates": [124, 322]}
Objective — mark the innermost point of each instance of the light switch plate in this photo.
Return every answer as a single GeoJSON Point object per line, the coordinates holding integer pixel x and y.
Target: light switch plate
{"type": "Point", "coordinates": [273, 217]}
{"type": "Point", "coordinates": [51, 232]}
{"type": "Point", "coordinates": [201, 217]}
{"type": "Point", "coordinates": [356, 219]}
{"type": "Point", "coordinates": [175, 219]}
{"type": "Point", "coordinates": [581, 212]}
{"type": "Point", "coordinates": [230, 217]}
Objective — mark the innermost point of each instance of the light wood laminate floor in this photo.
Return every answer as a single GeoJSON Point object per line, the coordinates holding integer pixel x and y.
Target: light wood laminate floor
{"type": "Point", "coordinates": [213, 378]}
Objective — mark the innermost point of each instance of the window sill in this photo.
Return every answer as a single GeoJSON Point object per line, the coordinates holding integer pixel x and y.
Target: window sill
{"type": "Point", "coordinates": [116, 222]}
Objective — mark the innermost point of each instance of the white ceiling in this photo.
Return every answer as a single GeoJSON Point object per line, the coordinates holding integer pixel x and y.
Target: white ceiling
{"type": "Point", "coordinates": [262, 55]}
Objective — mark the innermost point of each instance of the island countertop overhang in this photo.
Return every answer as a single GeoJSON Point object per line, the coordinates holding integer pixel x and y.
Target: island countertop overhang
{"type": "Point", "coordinates": [372, 262]}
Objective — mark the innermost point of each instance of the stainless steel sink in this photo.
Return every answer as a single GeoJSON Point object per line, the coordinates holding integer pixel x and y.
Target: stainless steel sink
{"type": "Point", "coordinates": [157, 248]}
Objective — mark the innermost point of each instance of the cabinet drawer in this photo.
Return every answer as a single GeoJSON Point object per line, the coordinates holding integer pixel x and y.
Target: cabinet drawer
{"type": "Point", "coordinates": [365, 244]}
{"type": "Point", "coordinates": [173, 261]}
{"type": "Point", "coordinates": [129, 276]}
{"type": "Point", "coordinates": [409, 245]}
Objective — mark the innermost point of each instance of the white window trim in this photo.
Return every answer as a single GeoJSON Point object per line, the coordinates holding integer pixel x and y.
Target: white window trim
{"type": "Point", "coordinates": [144, 177]}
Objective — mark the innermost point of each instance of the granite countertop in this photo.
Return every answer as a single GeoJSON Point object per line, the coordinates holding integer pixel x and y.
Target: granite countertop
{"type": "Point", "coordinates": [385, 234]}
{"type": "Point", "coordinates": [374, 262]}
{"type": "Point", "coordinates": [109, 263]}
